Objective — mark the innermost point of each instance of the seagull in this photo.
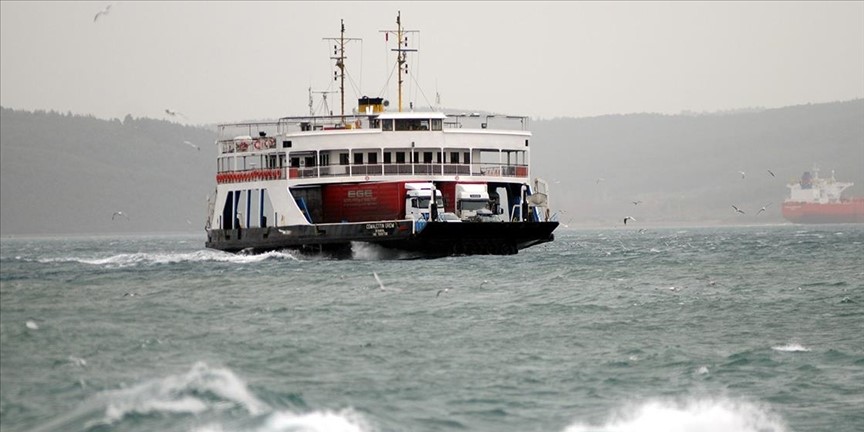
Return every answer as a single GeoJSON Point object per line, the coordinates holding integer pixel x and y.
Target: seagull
{"type": "Point", "coordinates": [174, 113]}
{"type": "Point", "coordinates": [102, 12]}
{"type": "Point", "coordinates": [772, 173]}
{"type": "Point", "coordinates": [737, 209]}
{"type": "Point", "coordinates": [193, 145]}
{"type": "Point", "coordinates": [742, 174]}
{"type": "Point", "coordinates": [380, 284]}
{"type": "Point", "coordinates": [119, 213]}
{"type": "Point", "coordinates": [629, 218]}
{"type": "Point", "coordinates": [763, 208]}
{"type": "Point", "coordinates": [445, 290]}
{"type": "Point", "coordinates": [637, 202]}
{"type": "Point", "coordinates": [599, 180]}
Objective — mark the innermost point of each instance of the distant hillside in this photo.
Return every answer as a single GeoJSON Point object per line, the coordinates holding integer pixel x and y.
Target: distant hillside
{"type": "Point", "coordinates": [685, 168]}
{"type": "Point", "coordinates": [68, 174]}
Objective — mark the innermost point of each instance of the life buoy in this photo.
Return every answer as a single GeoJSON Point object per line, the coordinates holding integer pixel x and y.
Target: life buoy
{"type": "Point", "coordinates": [457, 178]}
{"type": "Point", "coordinates": [367, 178]}
{"type": "Point", "coordinates": [257, 145]}
{"type": "Point", "coordinates": [357, 124]}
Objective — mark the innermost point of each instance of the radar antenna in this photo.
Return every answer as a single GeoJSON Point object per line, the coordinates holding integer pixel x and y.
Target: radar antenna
{"type": "Point", "coordinates": [339, 56]}
{"type": "Point", "coordinates": [401, 50]}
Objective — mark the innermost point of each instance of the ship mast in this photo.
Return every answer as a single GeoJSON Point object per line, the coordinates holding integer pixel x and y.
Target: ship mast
{"type": "Point", "coordinates": [401, 50]}
{"type": "Point", "coordinates": [339, 56]}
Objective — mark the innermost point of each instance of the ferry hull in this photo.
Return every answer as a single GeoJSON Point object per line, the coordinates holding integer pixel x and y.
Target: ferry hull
{"type": "Point", "coordinates": [851, 211]}
{"type": "Point", "coordinates": [436, 239]}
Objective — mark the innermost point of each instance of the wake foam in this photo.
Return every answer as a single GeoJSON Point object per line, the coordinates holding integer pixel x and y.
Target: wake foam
{"type": "Point", "coordinates": [144, 258]}
{"type": "Point", "coordinates": [690, 416]}
{"type": "Point", "coordinates": [373, 252]}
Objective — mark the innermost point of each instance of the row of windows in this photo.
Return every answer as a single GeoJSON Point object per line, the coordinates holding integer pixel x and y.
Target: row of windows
{"type": "Point", "coordinates": [371, 158]}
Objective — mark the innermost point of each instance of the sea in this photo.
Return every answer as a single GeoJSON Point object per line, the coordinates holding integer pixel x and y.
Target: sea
{"type": "Point", "coordinates": [751, 329]}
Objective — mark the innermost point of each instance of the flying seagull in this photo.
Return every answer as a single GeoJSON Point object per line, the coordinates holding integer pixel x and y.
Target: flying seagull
{"type": "Point", "coordinates": [380, 284]}
{"type": "Point", "coordinates": [742, 174]}
{"type": "Point", "coordinates": [173, 113]}
{"type": "Point", "coordinates": [102, 12]}
{"type": "Point", "coordinates": [737, 209]}
{"type": "Point", "coordinates": [119, 213]}
{"type": "Point", "coordinates": [637, 202]}
{"type": "Point", "coordinates": [763, 208]}
{"type": "Point", "coordinates": [772, 173]}
{"type": "Point", "coordinates": [629, 218]}
{"type": "Point", "coordinates": [599, 180]}
{"type": "Point", "coordinates": [193, 145]}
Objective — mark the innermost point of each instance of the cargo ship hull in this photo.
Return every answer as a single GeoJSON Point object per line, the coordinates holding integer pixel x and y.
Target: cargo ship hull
{"type": "Point", "coordinates": [851, 211]}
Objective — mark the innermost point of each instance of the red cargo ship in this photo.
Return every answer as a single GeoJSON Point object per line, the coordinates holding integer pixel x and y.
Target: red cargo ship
{"type": "Point", "coordinates": [430, 183]}
{"type": "Point", "coordinates": [814, 200]}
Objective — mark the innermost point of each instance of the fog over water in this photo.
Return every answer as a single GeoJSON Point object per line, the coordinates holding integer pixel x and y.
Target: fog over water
{"type": "Point", "coordinates": [228, 61]}
{"type": "Point", "coordinates": [661, 103]}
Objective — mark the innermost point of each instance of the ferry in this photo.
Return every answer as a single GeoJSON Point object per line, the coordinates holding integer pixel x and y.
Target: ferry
{"type": "Point", "coordinates": [428, 183]}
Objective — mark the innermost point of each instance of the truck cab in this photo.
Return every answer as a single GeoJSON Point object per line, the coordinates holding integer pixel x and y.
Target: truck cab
{"type": "Point", "coordinates": [423, 201]}
{"type": "Point", "coordinates": [473, 203]}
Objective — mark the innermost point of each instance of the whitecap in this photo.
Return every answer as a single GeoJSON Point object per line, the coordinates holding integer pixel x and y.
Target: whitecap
{"type": "Point", "coordinates": [344, 421]}
{"type": "Point", "coordinates": [32, 325]}
{"type": "Point", "coordinates": [201, 389]}
{"type": "Point", "coordinates": [286, 421]}
{"type": "Point", "coordinates": [689, 416]}
{"type": "Point", "coordinates": [77, 361]}
{"type": "Point", "coordinates": [792, 347]}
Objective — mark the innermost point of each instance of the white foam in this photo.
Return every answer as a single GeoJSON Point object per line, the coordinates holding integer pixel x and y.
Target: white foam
{"type": "Point", "coordinates": [286, 421]}
{"type": "Point", "coordinates": [344, 421]}
{"type": "Point", "coordinates": [182, 394]}
{"type": "Point", "coordinates": [145, 258]}
{"type": "Point", "coordinates": [691, 416]}
{"type": "Point", "coordinates": [373, 252]}
{"type": "Point", "coordinates": [792, 347]}
{"type": "Point", "coordinates": [32, 325]}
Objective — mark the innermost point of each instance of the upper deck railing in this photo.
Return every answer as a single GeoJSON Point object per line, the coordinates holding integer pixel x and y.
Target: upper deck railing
{"type": "Point", "coordinates": [249, 136]}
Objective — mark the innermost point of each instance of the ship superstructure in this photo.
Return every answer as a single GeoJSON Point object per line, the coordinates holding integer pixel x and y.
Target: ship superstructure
{"type": "Point", "coordinates": [813, 199]}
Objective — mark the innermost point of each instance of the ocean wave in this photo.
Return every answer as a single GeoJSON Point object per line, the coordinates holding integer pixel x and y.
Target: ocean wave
{"type": "Point", "coordinates": [690, 416]}
{"type": "Point", "coordinates": [143, 258]}
{"type": "Point", "coordinates": [792, 347]}
{"type": "Point", "coordinates": [197, 391]}
{"type": "Point", "coordinates": [201, 389]}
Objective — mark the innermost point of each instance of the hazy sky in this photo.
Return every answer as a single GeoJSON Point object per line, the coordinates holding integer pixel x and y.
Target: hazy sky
{"type": "Point", "coordinates": [231, 61]}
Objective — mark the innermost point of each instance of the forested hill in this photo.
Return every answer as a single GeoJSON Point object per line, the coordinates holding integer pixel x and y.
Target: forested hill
{"type": "Point", "coordinates": [686, 168]}
{"type": "Point", "coordinates": [68, 174]}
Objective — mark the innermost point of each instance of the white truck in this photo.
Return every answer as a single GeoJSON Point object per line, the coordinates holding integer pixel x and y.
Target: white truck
{"type": "Point", "coordinates": [419, 203]}
{"type": "Point", "coordinates": [472, 203]}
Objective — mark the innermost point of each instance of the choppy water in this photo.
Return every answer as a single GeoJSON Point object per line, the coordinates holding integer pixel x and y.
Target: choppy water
{"type": "Point", "coordinates": [697, 329]}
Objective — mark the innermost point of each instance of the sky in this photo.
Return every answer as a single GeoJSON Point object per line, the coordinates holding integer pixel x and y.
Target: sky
{"type": "Point", "coordinates": [218, 62]}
